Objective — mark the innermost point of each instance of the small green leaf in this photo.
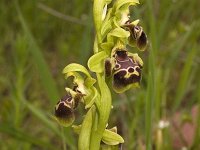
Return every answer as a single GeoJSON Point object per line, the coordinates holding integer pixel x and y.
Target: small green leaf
{"type": "Point", "coordinates": [96, 62]}
{"type": "Point", "coordinates": [111, 138]}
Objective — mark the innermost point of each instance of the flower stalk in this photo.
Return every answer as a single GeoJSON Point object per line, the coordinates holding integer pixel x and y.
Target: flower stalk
{"type": "Point", "coordinates": [114, 31]}
{"type": "Point", "coordinates": [97, 15]}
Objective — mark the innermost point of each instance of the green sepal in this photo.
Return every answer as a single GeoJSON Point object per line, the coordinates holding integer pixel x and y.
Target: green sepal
{"type": "Point", "coordinates": [96, 62]}
{"type": "Point", "coordinates": [119, 3]}
{"type": "Point", "coordinates": [79, 80]}
{"type": "Point", "coordinates": [118, 34]}
{"type": "Point", "coordinates": [121, 11]}
{"type": "Point", "coordinates": [88, 91]}
{"type": "Point", "coordinates": [73, 67]}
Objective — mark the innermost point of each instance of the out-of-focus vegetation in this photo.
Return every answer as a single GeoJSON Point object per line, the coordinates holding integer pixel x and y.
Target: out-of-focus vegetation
{"type": "Point", "coordinates": [39, 38]}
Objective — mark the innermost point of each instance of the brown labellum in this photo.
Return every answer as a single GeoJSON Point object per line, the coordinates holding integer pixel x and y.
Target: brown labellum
{"type": "Point", "coordinates": [126, 71]}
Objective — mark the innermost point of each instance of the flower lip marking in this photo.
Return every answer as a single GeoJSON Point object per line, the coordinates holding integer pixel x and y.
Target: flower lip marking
{"type": "Point", "coordinates": [67, 97]}
{"type": "Point", "coordinates": [131, 69]}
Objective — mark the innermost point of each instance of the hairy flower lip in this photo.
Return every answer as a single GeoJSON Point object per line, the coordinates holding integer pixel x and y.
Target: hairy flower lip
{"type": "Point", "coordinates": [63, 110]}
{"type": "Point", "coordinates": [120, 78]}
{"type": "Point", "coordinates": [126, 70]}
{"type": "Point", "coordinates": [64, 114]}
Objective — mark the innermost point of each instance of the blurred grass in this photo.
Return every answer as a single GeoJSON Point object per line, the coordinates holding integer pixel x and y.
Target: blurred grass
{"type": "Point", "coordinates": [35, 46]}
{"type": "Point", "coordinates": [45, 75]}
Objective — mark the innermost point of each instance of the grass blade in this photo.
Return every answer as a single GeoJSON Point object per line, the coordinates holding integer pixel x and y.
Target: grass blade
{"type": "Point", "coordinates": [184, 78]}
{"type": "Point", "coordinates": [45, 75]}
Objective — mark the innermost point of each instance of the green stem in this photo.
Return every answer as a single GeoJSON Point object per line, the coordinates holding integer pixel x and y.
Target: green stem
{"type": "Point", "coordinates": [85, 133]}
{"type": "Point", "coordinates": [104, 113]}
{"type": "Point", "coordinates": [101, 117]}
{"type": "Point", "coordinates": [95, 47]}
{"type": "Point", "coordinates": [97, 15]}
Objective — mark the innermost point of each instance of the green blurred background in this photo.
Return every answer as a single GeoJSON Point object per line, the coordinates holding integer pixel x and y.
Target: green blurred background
{"type": "Point", "coordinates": [39, 38]}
